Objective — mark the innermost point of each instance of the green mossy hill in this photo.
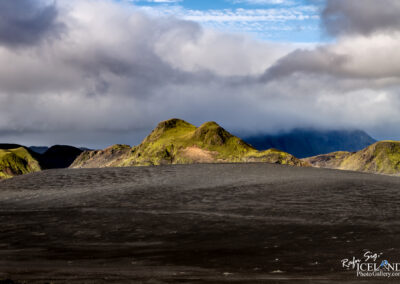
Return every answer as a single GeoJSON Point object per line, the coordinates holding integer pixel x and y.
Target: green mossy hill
{"type": "Point", "coordinates": [176, 141]}
{"type": "Point", "coordinates": [382, 157]}
{"type": "Point", "coordinates": [17, 161]}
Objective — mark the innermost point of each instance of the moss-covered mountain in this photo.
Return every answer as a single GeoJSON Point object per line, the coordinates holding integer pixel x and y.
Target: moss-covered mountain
{"type": "Point", "coordinates": [17, 161]}
{"type": "Point", "coordinates": [382, 157]}
{"type": "Point", "coordinates": [178, 142]}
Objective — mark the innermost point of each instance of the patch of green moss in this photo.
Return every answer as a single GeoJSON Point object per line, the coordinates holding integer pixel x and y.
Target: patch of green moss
{"type": "Point", "coordinates": [386, 157]}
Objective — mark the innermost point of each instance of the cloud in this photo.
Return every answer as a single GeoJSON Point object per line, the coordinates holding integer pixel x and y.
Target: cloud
{"type": "Point", "coordinates": [267, 23]}
{"type": "Point", "coordinates": [357, 57]}
{"type": "Point", "coordinates": [158, 1]}
{"type": "Point", "coordinates": [265, 2]}
{"type": "Point", "coordinates": [361, 17]}
{"type": "Point", "coordinates": [24, 22]}
{"type": "Point", "coordinates": [121, 72]}
{"type": "Point", "coordinates": [299, 13]}
{"type": "Point", "coordinates": [115, 71]}
{"type": "Point", "coordinates": [164, 1]}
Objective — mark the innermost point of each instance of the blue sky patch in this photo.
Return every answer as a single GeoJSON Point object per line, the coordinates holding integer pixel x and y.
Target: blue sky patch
{"type": "Point", "coordinates": [270, 20]}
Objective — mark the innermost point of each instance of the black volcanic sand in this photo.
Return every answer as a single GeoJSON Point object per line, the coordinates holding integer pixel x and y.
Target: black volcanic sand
{"type": "Point", "coordinates": [220, 223]}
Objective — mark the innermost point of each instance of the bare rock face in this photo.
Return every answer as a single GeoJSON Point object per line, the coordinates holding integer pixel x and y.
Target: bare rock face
{"type": "Point", "coordinates": [331, 160]}
{"type": "Point", "coordinates": [102, 158]}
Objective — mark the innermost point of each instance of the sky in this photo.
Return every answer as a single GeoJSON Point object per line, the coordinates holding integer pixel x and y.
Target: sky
{"type": "Point", "coordinates": [272, 20]}
{"type": "Point", "coordinates": [99, 72]}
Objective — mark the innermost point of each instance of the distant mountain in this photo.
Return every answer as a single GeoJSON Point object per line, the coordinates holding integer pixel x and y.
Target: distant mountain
{"type": "Point", "coordinates": [39, 149]}
{"type": "Point", "coordinates": [178, 142]}
{"type": "Point", "coordinates": [306, 143]}
{"type": "Point", "coordinates": [382, 157]}
{"type": "Point", "coordinates": [59, 156]}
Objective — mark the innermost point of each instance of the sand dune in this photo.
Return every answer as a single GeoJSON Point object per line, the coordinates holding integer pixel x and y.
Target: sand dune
{"type": "Point", "coordinates": [205, 223]}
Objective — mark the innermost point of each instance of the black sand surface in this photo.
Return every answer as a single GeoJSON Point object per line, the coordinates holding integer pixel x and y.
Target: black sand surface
{"type": "Point", "coordinates": [220, 223]}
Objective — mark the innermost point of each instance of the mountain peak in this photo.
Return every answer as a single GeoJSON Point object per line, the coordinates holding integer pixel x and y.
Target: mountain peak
{"type": "Point", "coordinates": [212, 134]}
{"type": "Point", "coordinates": [172, 123]}
{"type": "Point", "coordinates": [166, 127]}
{"type": "Point", "coordinates": [209, 124]}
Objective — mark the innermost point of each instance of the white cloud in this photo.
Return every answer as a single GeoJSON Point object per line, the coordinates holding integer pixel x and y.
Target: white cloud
{"type": "Point", "coordinates": [164, 1]}
{"type": "Point", "coordinates": [265, 2]}
{"type": "Point", "coordinates": [115, 72]}
{"type": "Point", "coordinates": [157, 1]}
{"type": "Point", "coordinates": [300, 13]}
{"type": "Point", "coordinates": [261, 23]}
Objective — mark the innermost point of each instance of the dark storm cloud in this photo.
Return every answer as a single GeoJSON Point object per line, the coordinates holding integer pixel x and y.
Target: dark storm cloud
{"type": "Point", "coordinates": [361, 16]}
{"type": "Point", "coordinates": [25, 22]}
{"type": "Point", "coordinates": [316, 61]}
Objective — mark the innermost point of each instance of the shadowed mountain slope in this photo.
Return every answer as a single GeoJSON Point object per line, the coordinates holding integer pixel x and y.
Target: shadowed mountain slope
{"type": "Point", "coordinates": [304, 143]}
{"type": "Point", "coordinates": [382, 157]}
{"type": "Point", "coordinates": [176, 141]}
{"type": "Point", "coordinates": [59, 156]}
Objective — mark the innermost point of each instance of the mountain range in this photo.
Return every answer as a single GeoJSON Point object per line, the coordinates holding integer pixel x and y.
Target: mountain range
{"type": "Point", "coordinates": [176, 141]}
{"type": "Point", "coordinates": [304, 143]}
{"type": "Point", "coordinates": [17, 159]}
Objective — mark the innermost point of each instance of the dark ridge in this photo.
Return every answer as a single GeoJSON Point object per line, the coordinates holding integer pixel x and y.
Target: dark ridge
{"type": "Point", "coordinates": [59, 156]}
{"type": "Point", "coordinates": [5, 146]}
